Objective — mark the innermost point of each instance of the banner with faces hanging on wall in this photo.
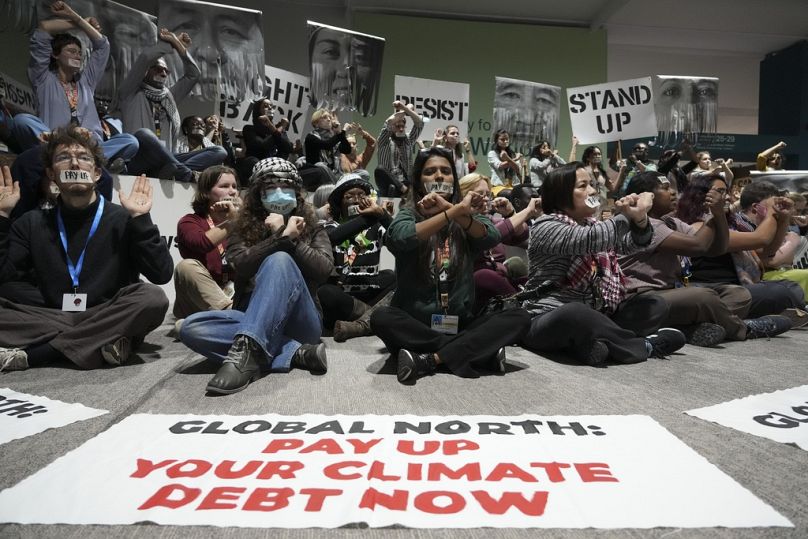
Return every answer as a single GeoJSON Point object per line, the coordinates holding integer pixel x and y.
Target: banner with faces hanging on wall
{"type": "Point", "coordinates": [226, 42]}
{"type": "Point", "coordinates": [439, 103]}
{"type": "Point", "coordinates": [528, 111]}
{"type": "Point", "coordinates": [685, 106]}
{"type": "Point", "coordinates": [346, 69]}
{"type": "Point", "coordinates": [130, 31]}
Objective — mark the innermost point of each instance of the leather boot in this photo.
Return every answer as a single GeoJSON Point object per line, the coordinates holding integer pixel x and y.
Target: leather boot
{"type": "Point", "coordinates": [348, 330]}
{"type": "Point", "coordinates": [241, 367]}
{"type": "Point", "coordinates": [359, 308]}
{"type": "Point", "coordinates": [311, 357]}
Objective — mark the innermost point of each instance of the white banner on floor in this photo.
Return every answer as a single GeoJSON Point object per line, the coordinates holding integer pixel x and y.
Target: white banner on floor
{"type": "Point", "coordinates": [781, 416]}
{"type": "Point", "coordinates": [22, 415]}
{"type": "Point", "coordinates": [612, 111]}
{"type": "Point", "coordinates": [422, 472]}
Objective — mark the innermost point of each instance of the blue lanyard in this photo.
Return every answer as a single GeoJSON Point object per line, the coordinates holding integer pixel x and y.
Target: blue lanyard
{"type": "Point", "coordinates": [75, 271]}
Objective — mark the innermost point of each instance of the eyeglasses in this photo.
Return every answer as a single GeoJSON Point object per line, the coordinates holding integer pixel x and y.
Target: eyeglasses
{"type": "Point", "coordinates": [67, 158]}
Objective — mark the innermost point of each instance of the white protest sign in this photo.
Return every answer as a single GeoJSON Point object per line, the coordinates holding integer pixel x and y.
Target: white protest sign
{"type": "Point", "coordinates": [288, 91]}
{"type": "Point", "coordinates": [781, 416]}
{"type": "Point", "coordinates": [612, 111]}
{"type": "Point", "coordinates": [441, 103]}
{"type": "Point", "coordinates": [20, 96]}
{"type": "Point", "coordinates": [22, 415]}
{"type": "Point", "coordinates": [423, 472]}
{"type": "Point", "coordinates": [170, 201]}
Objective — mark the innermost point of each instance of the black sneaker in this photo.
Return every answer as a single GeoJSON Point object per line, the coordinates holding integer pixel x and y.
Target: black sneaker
{"type": "Point", "coordinates": [117, 352]}
{"type": "Point", "coordinates": [665, 342]}
{"type": "Point", "coordinates": [241, 367]}
{"type": "Point", "coordinates": [412, 365]}
{"type": "Point", "coordinates": [766, 326]}
{"type": "Point", "coordinates": [311, 357]}
{"type": "Point", "coordinates": [499, 362]}
{"type": "Point", "coordinates": [705, 334]}
{"type": "Point", "coordinates": [598, 354]}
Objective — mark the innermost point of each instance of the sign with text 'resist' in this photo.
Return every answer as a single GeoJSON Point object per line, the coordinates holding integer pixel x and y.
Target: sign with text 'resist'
{"type": "Point", "coordinates": [422, 472]}
{"type": "Point", "coordinates": [288, 91]}
{"type": "Point", "coordinates": [22, 415]}
{"type": "Point", "coordinates": [612, 111]}
{"type": "Point", "coordinates": [781, 416]}
{"type": "Point", "coordinates": [440, 103]}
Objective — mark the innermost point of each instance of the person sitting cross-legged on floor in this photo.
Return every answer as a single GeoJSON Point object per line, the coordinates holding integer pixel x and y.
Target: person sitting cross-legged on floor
{"type": "Point", "coordinates": [280, 256]}
{"type": "Point", "coordinates": [706, 315]}
{"type": "Point", "coordinates": [435, 240]}
{"type": "Point", "coordinates": [86, 254]}
{"type": "Point", "coordinates": [577, 285]}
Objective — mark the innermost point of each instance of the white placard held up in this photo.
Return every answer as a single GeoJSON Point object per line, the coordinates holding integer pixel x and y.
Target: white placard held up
{"type": "Point", "coordinates": [781, 416]}
{"type": "Point", "coordinates": [22, 415]}
{"type": "Point", "coordinates": [439, 102]}
{"type": "Point", "coordinates": [422, 472]}
{"type": "Point", "coordinates": [612, 111]}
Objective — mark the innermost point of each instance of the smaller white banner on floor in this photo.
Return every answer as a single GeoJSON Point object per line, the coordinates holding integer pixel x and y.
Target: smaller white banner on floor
{"type": "Point", "coordinates": [440, 102]}
{"type": "Point", "coordinates": [781, 416]}
{"type": "Point", "coordinates": [612, 111]}
{"type": "Point", "coordinates": [423, 472]}
{"type": "Point", "coordinates": [22, 415]}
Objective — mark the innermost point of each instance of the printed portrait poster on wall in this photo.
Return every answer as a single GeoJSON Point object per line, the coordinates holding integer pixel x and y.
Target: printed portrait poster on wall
{"type": "Point", "coordinates": [612, 111]}
{"type": "Point", "coordinates": [685, 107]}
{"type": "Point", "coordinates": [781, 416]}
{"type": "Point", "coordinates": [327, 471]}
{"type": "Point", "coordinates": [345, 68]}
{"type": "Point", "coordinates": [289, 93]}
{"type": "Point", "coordinates": [129, 31]}
{"type": "Point", "coordinates": [440, 103]}
{"type": "Point", "coordinates": [527, 110]}
{"type": "Point", "coordinates": [227, 44]}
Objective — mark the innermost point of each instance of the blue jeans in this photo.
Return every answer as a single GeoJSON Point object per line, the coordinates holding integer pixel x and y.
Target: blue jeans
{"type": "Point", "coordinates": [280, 316]}
{"type": "Point", "coordinates": [28, 127]}
{"type": "Point", "coordinates": [155, 161]}
{"type": "Point", "coordinates": [202, 159]}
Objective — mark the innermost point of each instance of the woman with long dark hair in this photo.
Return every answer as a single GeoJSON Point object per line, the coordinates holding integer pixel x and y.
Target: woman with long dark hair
{"type": "Point", "coordinates": [578, 288]}
{"type": "Point", "coordinates": [262, 138]}
{"type": "Point", "coordinates": [506, 165]}
{"type": "Point", "coordinates": [435, 238]}
{"type": "Point", "coordinates": [280, 256]}
{"type": "Point", "coordinates": [543, 160]}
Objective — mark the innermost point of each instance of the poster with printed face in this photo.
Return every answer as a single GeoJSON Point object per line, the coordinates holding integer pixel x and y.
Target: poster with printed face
{"type": "Point", "coordinates": [346, 69]}
{"type": "Point", "coordinates": [23, 415]}
{"type": "Point", "coordinates": [528, 111]}
{"type": "Point", "coordinates": [612, 111]}
{"type": "Point", "coordinates": [129, 31]}
{"type": "Point", "coordinates": [685, 107]}
{"type": "Point", "coordinates": [288, 93]}
{"type": "Point", "coordinates": [440, 103]}
{"type": "Point", "coordinates": [781, 416]}
{"type": "Point", "coordinates": [423, 472]}
{"type": "Point", "coordinates": [227, 44]}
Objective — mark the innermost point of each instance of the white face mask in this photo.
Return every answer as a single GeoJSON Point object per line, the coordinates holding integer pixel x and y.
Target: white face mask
{"type": "Point", "coordinates": [593, 201]}
{"type": "Point", "coordinates": [75, 176]}
{"type": "Point", "coordinates": [73, 62]}
{"type": "Point", "coordinates": [280, 200]}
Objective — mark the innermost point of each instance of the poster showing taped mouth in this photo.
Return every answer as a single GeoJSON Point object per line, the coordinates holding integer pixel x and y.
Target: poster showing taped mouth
{"type": "Point", "coordinates": [439, 102]}
{"type": "Point", "coordinates": [226, 42]}
{"type": "Point", "coordinates": [424, 472]}
{"type": "Point", "coordinates": [781, 416]}
{"type": "Point", "coordinates": [612, 111]}
{"type": "Point", "coordinates": [528, 111]}
{"type": "Point", "coordinates": [685, 107]}
{"type": "Point", "coordinates": [346, 68]}
{"type": "Point", "coordinates": [288, 92]}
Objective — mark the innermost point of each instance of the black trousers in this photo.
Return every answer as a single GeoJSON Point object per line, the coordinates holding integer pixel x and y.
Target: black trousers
{"type": "Point", "coordinates": [338, 304]}
{"type": "Point", "coordinates": [574, 327]}
{"type": "Point", "coordinates": [388, 184]}
{"type": "Point", "coordinates": [133, 312]}
{"type": "Point", "coordinates": [476, 343]}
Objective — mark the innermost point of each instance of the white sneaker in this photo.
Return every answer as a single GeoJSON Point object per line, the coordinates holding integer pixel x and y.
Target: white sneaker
{"type": "Point", "coordinates": [13, 359]}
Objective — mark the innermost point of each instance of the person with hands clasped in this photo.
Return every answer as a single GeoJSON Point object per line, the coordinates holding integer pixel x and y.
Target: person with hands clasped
{"type": "Point", "coordinates": [464, 161]}
{"type": "Point", "coordinates": [506, 165]}
{"type": "Point", "coordinates": [435, 239]}
{"type": "Point", "coordinates": [86, 254]}
{"type": "Point", "coordinates": [393, 173]}
{"type": "Point", "coordinates": [203, 280]}
{"type": "Point", "coordinates": [579, 304]}
{"type": "Point", "coordinates": [280, 256]}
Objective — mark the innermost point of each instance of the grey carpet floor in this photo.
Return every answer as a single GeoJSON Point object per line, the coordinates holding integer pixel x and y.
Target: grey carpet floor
{"type": "Point", "coordinates": [167, 378]}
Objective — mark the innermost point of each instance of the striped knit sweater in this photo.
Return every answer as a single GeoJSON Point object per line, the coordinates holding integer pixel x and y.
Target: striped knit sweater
{"type": "Point", "coordinates": [554, 244]}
